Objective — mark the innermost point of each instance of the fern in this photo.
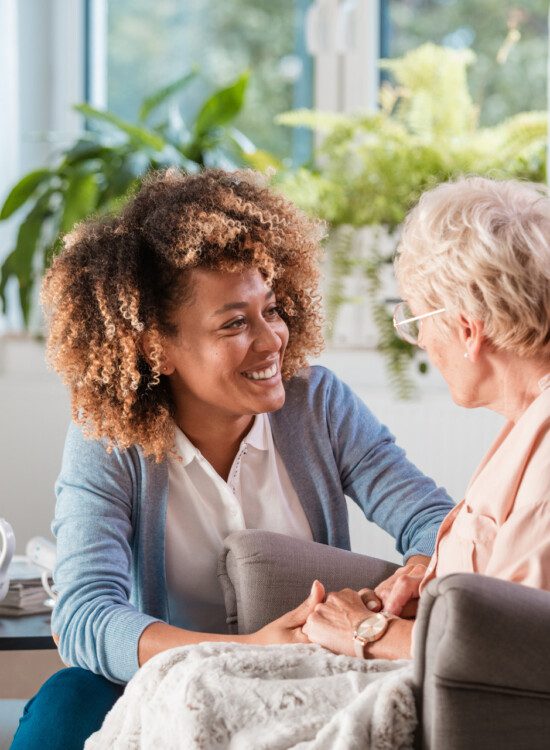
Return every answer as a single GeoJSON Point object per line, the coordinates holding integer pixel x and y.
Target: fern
{"type": "Point", "coordinates": [371, 168]}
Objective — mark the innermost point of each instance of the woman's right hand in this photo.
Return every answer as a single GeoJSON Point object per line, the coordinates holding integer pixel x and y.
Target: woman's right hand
{"type": "Point", "coordinates": [400, 592]}
{"type": "Point", "coordinates": [288, 628]}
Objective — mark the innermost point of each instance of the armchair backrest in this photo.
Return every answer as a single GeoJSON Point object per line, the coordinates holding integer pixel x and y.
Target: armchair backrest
{"type": "Point", "coordinates": [263, 575]}
{"type": "Point", "coordinates": [482, 660]}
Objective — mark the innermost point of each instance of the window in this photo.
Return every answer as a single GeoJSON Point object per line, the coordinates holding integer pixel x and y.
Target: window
{"type": "Point", "coordinates": [152, 44]}
{"type": "Point", "coordinates": [510, 39]}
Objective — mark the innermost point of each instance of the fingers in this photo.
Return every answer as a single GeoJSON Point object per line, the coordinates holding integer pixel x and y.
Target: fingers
{"type": "Point", "coordinates": [386, 586]}
{"type": "Point", "coordinates": [410, 610]}
{"type": "Point", "coordinates": [370, 600]}
{"type": "Point", "coordinates": [401, 587]}
{"type": "Point", "coordinates": [300, 636]}
{"type": "Point", "coordinates": [317, 592]}
{"type": "Point", "coordinates": [297, 617]}
{"type": "Point", "coordinates": [404, 589]}
{"type": "Point", "coordinates": [337, 598]}
{"type": "Point", "coordinates": [416, 570]}
{"type": "Point", "coordinates": [314, 622]}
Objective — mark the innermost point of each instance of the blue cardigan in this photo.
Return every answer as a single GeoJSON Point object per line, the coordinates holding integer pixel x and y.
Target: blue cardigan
{"type": "Point", "coordinates": [111, 513]}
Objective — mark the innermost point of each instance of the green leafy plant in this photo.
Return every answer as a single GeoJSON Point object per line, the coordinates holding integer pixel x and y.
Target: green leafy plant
{"type": "Point", "coordinates": [108, 162]}
{"type": "Point", "coordinates": [371, 168]}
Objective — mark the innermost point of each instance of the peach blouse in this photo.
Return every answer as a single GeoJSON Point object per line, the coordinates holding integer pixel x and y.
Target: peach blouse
{"type": "Point", "coordinates": [502, 527]}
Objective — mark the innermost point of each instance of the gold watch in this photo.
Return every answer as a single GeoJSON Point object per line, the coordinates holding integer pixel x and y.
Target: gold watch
{"type": "Point", "coordinates": [371, 629]}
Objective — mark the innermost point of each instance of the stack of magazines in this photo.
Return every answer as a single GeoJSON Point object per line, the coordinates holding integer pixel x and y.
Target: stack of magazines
{"type": "Point", "coordinates": [26, 596]}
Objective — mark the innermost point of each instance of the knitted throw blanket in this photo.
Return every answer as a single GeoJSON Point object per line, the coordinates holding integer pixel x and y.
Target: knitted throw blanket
{"type": "Point", "coordinates": [225, 695]}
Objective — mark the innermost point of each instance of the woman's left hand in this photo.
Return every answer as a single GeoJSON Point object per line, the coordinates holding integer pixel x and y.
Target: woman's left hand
{"type": "Point", "coordinates": [288, 628]}
{"type": "Point", "coordinates": [333, 623]}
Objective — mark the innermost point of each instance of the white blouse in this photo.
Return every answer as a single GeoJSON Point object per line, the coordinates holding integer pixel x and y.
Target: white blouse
{"type": "Point", "coordinates": [203, 509]}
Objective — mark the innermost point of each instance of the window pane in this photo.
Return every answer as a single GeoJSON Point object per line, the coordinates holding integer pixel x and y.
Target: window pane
{"type": "Point", "coordinates": [151, 44]}
{"type": "Point", "coordinates": [509, 38]}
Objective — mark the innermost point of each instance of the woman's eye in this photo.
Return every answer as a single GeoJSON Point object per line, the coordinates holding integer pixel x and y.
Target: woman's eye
{"type": "Point", "coordinates": [271, 313]}
{"type": "Point", "coordinates": [237, 323]}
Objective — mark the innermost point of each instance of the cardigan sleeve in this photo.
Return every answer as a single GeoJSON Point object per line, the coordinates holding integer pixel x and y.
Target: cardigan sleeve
{"type": "Point", "coordinates": [98, 627]}
{"type": "Point", "coordinates": [377, 475]}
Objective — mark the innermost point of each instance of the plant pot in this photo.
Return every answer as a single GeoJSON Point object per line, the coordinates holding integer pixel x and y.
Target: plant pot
{"type": "Point", "coordinates": [358, 275]}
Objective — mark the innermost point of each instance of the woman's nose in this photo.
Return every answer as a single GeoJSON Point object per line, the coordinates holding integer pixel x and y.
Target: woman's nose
{"type": "Point", "coordinates": [266, 338]}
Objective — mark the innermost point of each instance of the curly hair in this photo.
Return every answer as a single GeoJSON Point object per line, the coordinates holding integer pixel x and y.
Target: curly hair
{"type": "Point", "coordinates": [119, 277]}
{"type": "Point", "coordinates": [481, 247]}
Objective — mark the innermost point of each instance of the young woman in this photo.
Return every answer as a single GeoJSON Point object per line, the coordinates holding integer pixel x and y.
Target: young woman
{"type": "Point", "coordinates": [182, 328]}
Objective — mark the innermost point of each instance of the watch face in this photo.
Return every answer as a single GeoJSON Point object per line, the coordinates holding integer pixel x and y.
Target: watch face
{"type": "Point", "coordinates": [372, 627]}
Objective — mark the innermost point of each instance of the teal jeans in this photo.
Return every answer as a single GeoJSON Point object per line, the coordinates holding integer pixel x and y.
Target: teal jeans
{"type": "Point", "coordinates": [67, 709]}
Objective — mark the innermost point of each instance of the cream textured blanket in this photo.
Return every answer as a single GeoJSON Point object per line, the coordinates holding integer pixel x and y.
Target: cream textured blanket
{"type": "Point", "coordinates": [225, 695]}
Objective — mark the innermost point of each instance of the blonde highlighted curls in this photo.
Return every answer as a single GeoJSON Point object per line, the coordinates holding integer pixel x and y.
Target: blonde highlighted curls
{"type": "Point", "coordinates": [482, 247]}
{"type": "Point", "coordinates": [120, 277]}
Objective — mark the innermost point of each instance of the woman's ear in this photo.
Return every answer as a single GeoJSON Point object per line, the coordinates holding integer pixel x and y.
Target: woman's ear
{"type": "Point", "coordinates": [153, 351]}
{"type": "Point", "coordinates": [472, 336]}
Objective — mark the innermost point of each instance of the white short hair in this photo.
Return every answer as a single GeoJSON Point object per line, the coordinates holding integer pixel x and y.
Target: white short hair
{"type": "Point", "coordinates": [482, 247]}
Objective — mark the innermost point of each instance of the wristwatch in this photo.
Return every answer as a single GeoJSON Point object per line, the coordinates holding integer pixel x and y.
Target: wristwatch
{"type": "Point", "coordinates": [371, 629]}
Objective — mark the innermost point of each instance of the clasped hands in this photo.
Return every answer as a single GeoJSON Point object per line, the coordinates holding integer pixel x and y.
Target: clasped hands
{"type": "Point", "coordinates": [330, 620]}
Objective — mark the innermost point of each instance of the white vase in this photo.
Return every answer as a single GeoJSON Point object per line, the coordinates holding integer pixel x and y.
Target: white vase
{"type": "Point", "coordinates": [352, 326]}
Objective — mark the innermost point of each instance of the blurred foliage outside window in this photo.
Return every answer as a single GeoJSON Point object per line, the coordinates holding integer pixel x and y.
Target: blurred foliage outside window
{"type": "Point", "coordinates": [509, 38]}
{"type": "Point", "coordinates": [150, 44]}
{"type": "Point", "coordinates": [445, 114]}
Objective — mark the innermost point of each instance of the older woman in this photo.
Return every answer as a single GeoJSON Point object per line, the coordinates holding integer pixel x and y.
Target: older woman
{"type": "Point", "coordinates": [474, 269]}
{"type": "Point", "coordinates": [182, 328]}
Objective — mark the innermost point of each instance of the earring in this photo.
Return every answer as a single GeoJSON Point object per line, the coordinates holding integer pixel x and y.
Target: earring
{"type": "Point", "coordinates": [466, 355]}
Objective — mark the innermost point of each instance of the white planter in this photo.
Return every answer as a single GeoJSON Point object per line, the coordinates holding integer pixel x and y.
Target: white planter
{"type": "Point", "coordinates": [353, 326]}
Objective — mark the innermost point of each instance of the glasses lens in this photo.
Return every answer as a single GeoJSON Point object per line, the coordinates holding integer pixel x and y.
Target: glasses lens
{"type": "Point", "coordinates": [409, 330]}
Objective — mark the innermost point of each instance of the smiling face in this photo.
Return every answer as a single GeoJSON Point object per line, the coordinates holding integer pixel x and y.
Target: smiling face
{"type": "Point", "coordinates": [225, 360]}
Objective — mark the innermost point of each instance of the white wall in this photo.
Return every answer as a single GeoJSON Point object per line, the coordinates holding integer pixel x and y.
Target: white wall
{"type": "Point", "coordinates": [34, 418]}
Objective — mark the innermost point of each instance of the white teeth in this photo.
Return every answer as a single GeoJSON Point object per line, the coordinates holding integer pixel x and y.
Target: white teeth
{"type": "Point", "coordinates": [262, 374]}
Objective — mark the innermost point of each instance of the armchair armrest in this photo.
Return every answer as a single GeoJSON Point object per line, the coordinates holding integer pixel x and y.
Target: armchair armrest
{"type": "Point", "coordinates": [263, 575]}
{"type": "Point", "coordinates": [482, 662]}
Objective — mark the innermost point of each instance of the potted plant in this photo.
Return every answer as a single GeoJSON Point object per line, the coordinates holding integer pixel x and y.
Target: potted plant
{"type": "Point", "coordinates": [96, 173]}
{"type": "Point", "coordinates": [371, 168]}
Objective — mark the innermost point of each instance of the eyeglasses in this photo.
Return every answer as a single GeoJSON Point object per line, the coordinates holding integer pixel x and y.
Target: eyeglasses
{"type": "Point", "coordinates": [407, 325]}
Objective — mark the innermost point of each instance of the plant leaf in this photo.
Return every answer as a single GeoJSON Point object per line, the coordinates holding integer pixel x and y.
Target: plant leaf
{"type": "Point", "coordinates": [7, 270]}
{"type": "Point", "coordinates": [155, 100]}
{"type": "Point", "coordinates": [222, 107]}
{"type": "Point", "coordinates": [120, 175]}
{"type": "Point", "coordinates": [79, 200]}
{"type": "Point", "coordinates": [262, 161]}
{"type": "Point", "coordinates": [135, 133]}
{"type": "Point", "coordinates": [84, 150]}
{"type": "Point", "coordinates": [20, 262]}
{"type": "Point", "coordinates": [23, 191]}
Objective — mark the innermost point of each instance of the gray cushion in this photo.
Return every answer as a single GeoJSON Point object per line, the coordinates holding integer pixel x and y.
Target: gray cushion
{"type": "Point", "coordinates": [482, 656]}
{"type": "Point", "coordinates": [263, 575]}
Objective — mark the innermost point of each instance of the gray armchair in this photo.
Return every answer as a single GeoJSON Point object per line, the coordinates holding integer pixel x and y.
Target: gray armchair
{"type": "Point", "coordinates": [482, 646]}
